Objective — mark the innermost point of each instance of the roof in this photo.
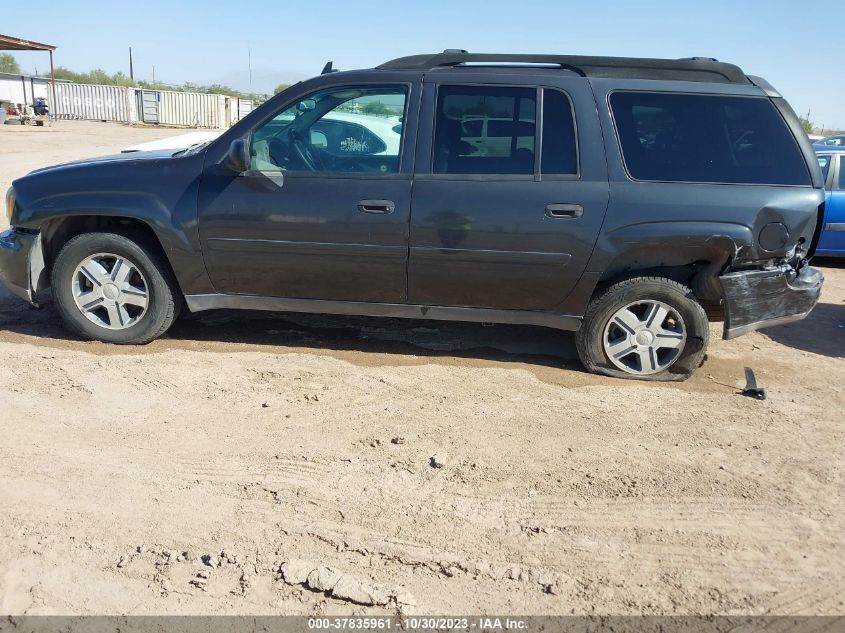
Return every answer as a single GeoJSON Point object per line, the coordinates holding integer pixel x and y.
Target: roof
{"type": "Point", "coordinates": [18, 76]}
{"type": "Point", "coordinates": [689, 69]}
{"type": "Point", "coordinates": [9, 43]}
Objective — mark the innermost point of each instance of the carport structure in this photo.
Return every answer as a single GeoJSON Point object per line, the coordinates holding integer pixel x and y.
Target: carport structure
{"type": "Point", "coordinates": [9, 43]}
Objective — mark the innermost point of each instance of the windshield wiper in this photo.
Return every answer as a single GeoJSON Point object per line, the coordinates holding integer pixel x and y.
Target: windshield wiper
{"type": "Point", "coordinates": [193, 148]}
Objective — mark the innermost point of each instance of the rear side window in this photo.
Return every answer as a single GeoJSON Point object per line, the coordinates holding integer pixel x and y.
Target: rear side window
{"type": "Point", "coordinates": [484, 130]}
{"type": "Point", "coordinates": [706, 138]}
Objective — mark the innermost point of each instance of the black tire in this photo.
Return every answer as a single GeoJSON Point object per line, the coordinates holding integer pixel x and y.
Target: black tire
{"type": "Point", "coordinates": [590, 337]}
{"type": "Point", "coordinates": [163, 296]}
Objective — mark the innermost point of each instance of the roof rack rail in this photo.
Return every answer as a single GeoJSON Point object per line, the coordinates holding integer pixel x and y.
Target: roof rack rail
{"type": "Point", "coordinates": [689, 69]}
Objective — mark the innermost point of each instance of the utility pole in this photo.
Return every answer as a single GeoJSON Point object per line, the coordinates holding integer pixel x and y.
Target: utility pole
{"type": "Point", "coordinates": [154, 73]}
{"type": "Point", "coordinates": [131, 67]}
{"type": "Point", "coordinates": [249, 64]}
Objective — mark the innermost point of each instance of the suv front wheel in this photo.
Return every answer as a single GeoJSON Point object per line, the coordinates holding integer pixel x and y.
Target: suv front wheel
{"type": "Point", "coordinates": [111, 288]}
{"type": "Point", "coordinates": [648, 328]}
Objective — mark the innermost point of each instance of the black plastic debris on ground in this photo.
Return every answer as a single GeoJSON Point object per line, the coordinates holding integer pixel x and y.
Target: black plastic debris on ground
{"type": "Point", "coordinates": [751, 389]}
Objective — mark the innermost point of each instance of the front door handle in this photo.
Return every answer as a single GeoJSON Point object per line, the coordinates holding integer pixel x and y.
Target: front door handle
{"type": "Point", "coordinates": [564, 211]}
{"type": "Point", "coordinates": [376, 206]}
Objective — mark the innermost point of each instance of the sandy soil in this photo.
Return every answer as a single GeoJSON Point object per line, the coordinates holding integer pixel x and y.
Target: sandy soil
{"type": "Point", "coordinates": [272, 439]}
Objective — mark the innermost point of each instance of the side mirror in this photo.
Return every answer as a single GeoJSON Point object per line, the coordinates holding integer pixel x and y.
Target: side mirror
{"type": "Point", "coordinates": [307, 105]}
{"type": "Point", "coordinates": [237, 158]}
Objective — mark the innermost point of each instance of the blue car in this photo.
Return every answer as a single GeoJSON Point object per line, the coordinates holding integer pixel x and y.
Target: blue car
{"type": "Point", "coordinates": [828, 142]}
{"type": "Point", "coordinates": [832, 241]}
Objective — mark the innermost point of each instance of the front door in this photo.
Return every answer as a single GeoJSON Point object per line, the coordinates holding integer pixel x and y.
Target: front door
{"type": "Point", "coordinates": [832, 239]}
{"type": "Point", "coordinates": [510, 207]}
{"type": "Point", "coordinates": [323, 211]}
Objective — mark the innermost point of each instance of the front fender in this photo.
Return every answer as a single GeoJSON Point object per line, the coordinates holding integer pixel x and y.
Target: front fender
{"type": "Point", "coordinates": [162, 194]}
{"type": "Point", "coordinates": [142, 206]}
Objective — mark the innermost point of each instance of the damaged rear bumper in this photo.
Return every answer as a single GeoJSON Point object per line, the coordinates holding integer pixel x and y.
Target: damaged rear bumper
{"type": "Point", "coordinates": [756, 299]}
{"type": "Point", "coordinates": [22, 263]}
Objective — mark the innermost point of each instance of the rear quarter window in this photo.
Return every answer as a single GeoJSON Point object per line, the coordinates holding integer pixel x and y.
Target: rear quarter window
{"type": "Point", "coordinates": [706, 138]}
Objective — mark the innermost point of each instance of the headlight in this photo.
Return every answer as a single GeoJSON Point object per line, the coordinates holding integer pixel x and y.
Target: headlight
{"type": "Point", "coordinates": [10, 204]}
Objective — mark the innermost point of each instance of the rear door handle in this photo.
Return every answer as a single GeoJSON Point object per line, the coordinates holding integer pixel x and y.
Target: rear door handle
{"type": "Point", "coordinates": [564, 210]}
{"type": "Point", "coordinates": [376, 206]}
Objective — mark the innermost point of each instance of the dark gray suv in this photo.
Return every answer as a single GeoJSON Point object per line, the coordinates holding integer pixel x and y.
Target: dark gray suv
{"type": "Point", "coordinates": [623, 199]}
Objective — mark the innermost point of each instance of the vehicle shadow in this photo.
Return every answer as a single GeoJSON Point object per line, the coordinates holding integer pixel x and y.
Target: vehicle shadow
{"type": "Point", "coordinates": [823, 331]}
{"type": "Point", "coordinates": [529, 344]}
{"type": "Point", "coordinates": [417, 338]}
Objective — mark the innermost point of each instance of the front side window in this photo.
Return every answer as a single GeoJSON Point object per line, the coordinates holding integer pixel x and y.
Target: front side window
{"type": "Point", "coordinates": [484, 130]}
{"type": "Point", "coordinates": [342, 130]}
{"type": "Point", "coordinates": [824, 164]}
{"type": "Point", "coordinates": [706, 138]}
{"type": "Point", "coordinates": [841, 173]}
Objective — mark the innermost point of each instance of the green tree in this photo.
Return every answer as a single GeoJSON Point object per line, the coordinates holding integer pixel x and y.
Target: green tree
{"type": "Point", "coordinates": [806, 124]}
{"type": "Point", "coordinates": [121, 79]}
{"type": "Point", "coordinates": [8, 64]}
{"type": "Point", "coordinates": [376, 108]}
{"type": "Point", "coordinates": [280, 88]}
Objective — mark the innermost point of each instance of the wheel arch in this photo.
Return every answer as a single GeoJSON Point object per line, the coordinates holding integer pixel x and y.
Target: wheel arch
{"type": "Point", "coordinates": [58, 231]}
{"type": "Point", "coordinates": [691, 253]}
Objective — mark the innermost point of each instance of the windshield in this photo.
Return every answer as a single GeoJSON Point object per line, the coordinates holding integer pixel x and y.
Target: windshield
{"type": "Point", "coordinates": [837, 141]}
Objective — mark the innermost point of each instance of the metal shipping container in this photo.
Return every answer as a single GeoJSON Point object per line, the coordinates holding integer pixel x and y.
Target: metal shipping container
{"type": "Point", "coordinates": [97, 103]}
{"type": "Point", "coordinates": [148, 105]}
{"type": "Point", "coordinates": [23, 89]}
{"type": "Point", "coordinates": [191, 109]}
{"type": "Point", "coordinates": [244, 107]}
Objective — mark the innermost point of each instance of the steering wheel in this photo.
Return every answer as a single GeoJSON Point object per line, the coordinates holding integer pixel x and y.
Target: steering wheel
{"type": "Point", "coordinates": [304, 151]}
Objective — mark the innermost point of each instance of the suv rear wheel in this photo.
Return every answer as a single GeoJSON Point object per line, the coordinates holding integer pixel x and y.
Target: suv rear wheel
{"type": "Point", "coordinates": [111, 288]}
{"type": "Point", "coordinates": [648, 328]}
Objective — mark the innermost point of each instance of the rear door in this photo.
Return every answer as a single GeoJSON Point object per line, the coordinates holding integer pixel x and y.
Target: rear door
{"type": "Point", "coordinates": [509, 192]}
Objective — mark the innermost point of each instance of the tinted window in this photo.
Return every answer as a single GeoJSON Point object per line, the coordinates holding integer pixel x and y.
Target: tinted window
{"type": "Point", "coordinates": [560, 152]}
{"type": "Point", "coordinates": [484, 130]}
{"type": "Point", "coordinates": [343, 130]}
{"type": "Point", "coordinates": [704, 138]}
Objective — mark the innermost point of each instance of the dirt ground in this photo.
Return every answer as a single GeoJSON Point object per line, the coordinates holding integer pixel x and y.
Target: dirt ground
{"type": "Point", "coordinates": [278, 438]}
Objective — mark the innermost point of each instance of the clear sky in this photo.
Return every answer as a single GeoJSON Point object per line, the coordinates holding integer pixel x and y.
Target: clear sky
{"type": "Point", "coordinates": [206, 41]}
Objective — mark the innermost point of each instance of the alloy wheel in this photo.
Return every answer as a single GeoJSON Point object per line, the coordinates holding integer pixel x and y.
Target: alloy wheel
{"type": "Point", "coordinates": [644, 337]}
{"type": "Point", "coordinates": [110, 291]}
